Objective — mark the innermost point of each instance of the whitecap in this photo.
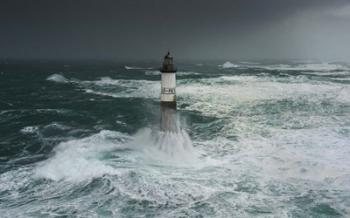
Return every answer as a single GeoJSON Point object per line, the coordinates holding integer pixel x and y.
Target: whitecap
{"type": "Point", "coordinates": [187, 73]}
{"type": "Point", "coordinates": [152, 72]}
{"type": "Point", "coordinates": [137, 68]}
{"type": "Point", "coordinates": [79, 159]}
{"type": "Point", "coordinates": [57, 78]}
{"type": "Point", "coordinates": [249, 62]}
{"type": "Point", "coordinates": [306, 67]}
{"type": "Point", "coordinates": [123, 88]}
{"type": "Point", "coordinates": [228, 65]}
{"type": "Point", "coordinates": [179, 73]}
{"type": "Point", "coordinates": [29, 129]}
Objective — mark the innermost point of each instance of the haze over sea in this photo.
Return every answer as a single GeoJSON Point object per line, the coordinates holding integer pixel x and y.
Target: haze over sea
{"type": "Point", "coordinates": [257, 139]}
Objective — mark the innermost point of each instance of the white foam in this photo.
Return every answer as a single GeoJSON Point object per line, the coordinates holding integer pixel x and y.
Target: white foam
{"type": "Point", "coordinates": [305, 67]}
{"type": "Point", "coordinates": [79, 159]}
{"type": "Point", "coordinates": [214, 97]}
{"type": "Point", "coordinates": [158, 147]}
{"type": "Point", "coordinates": [249, 63]}
{"type": "Point", "coordinates": [332, 73]}
{"type": "Point", "coordinates": [137, 68]}
{"type": "Point", "coordinates": [179, 73]}
{"type": "Point", "coordinates": [29, 129]}
{"type": "Point", "coordinates": [187, 73]}
{"type": "Point", "coordinates": [57, 78]}
{"type": "Point", "coordinates": [225, 91]}
{"type": "Point", "coordinates": [315, 154]}
{"type": "Point", "coordinates": [152, 72]}
{"type": "Point", "coordinates": [228, 65]}
{"type": "Point", "coordinates": [59, 126]}
{"type": "Point", "coordinates": [124, 88]}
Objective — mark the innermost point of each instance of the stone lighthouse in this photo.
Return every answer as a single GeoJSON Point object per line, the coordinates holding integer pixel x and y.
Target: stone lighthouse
{"type": "Point", "coordinates": [168, 84]}
{"type": "Point", "coordinates": [168, 96]}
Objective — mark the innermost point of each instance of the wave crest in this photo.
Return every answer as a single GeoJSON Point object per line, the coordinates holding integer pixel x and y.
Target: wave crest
{"type": "Point", "coordinates": [58, 78]}
{"type": "Point", "coordinates": [228, 65]}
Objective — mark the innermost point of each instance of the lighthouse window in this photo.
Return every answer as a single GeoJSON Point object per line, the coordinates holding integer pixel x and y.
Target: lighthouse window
{"type": "Point", "coordinates": [168, 91]}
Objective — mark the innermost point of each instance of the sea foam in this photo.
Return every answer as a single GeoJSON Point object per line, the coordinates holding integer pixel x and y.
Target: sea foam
{"type": "Point", "coordinates": [57, 78]}
{"type": "Point", "coordinates": [306, 67]}
{"type": "Point", "coordinates": [137, 68]}
{"type": "Point", "coordinates": [81, 159]}
{"type": "Point", "coordinates": [228, 65]}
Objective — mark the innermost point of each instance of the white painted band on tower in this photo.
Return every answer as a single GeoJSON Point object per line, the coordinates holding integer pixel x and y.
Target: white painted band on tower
{"type": "Point", "coordinates": [168, 82]}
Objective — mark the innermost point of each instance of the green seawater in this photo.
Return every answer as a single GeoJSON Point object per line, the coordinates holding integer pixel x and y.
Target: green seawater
{"type": "Point", "coordinates": [83, 139]}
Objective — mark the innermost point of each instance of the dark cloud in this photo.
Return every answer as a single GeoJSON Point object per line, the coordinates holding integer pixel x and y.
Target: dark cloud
{"type": "Point", "coordinates": [145, 29]}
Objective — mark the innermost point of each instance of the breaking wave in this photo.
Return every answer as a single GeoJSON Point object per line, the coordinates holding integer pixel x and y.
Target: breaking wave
{"type": "Point", "coordinates": [122, 88]}
{"type": "Point", "coordinates": [228, 65]}
{"type": "Point", "coordinates": [137, 68]}
{"type": "Point", "coordinates": [179, 73]}
{"type": "Point", "coordinates": [81, 159]}
{"type": "Point", "coordinates": [306, 67]}
{"type": "Point", "coordinates": [29, 129]}
{"type": "Point", "coordinates": [57, 78]}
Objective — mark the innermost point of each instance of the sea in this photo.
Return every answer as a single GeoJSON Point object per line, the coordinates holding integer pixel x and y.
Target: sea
{"type": "Point", "coordinates": [254, 139]}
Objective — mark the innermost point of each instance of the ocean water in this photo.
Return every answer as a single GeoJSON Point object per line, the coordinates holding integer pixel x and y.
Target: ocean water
{"type": "Point", "coordinates": [82, 139]}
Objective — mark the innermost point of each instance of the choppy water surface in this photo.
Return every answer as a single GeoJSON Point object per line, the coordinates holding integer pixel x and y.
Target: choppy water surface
{"type": "Point", "coordinates": [255, 140]}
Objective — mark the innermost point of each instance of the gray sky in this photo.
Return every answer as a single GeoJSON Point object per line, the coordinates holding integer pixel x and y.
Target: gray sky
{"type": "Point", "coordinates": [191, 29]}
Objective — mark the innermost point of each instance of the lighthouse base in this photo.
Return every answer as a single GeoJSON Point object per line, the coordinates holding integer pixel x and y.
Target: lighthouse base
{"type": "Point", "coordinates": [169, 104]}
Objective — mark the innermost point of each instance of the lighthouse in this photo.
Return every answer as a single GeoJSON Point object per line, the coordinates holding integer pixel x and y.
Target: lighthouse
{"type": "Point", "coordinates": [168, 82]}
{"type": "Point", "coordinates": [168, 95]}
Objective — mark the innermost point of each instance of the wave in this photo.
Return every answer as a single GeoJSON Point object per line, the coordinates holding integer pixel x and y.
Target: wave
{"type": "Point", "coordinates": [305, 67]}
{"type": "Point", "coordinates": [229, 89]}
{"type": "Point", "coordinates": [77, 160]}
{"type": "Point", "coordinates": [163, 147]}
{"type": "Point", "coordinates": [262, 169]}
{"type": "Point", "coordinates": [249, 63]}
{"type": "Point", "coordinates": [228, 65]}
{"type": "Point", "coordinates": [137, 68]}
{"type": "Point", "coordinates": [58, 78]}
{"type": "Point", "coordinates": [152, 72]}
{"type": "Point", "coordinates": [80, 159]}
{"type": "Point", "coordinates": [218, 97]}
{"type": "Point", "coordinates": [179, 73]}
{"type": "Point", "coordinates": [120, 88]}
{"type": "Point", "coordinates": [29, 129]}
{"type": "Point", "coordinates": [186, 73]}
{"type": "Point", "coordinates": [223, 91]}
{"type": "Point", "coordinates": [330, 73]}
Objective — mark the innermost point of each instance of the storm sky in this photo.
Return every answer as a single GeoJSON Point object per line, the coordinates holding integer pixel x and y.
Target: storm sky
{"type": "Point", "coordinates": [191, 29]}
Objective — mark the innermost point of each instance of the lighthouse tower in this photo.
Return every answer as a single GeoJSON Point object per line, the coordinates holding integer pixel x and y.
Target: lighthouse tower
{"type": "Point", "coordinates": [168, 84]}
